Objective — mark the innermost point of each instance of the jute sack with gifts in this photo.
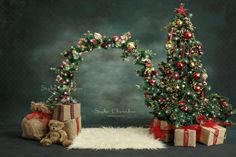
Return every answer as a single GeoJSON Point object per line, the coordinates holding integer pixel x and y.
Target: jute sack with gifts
{"type": "Point", "coordinates": [64, 112]}
{"type": "Point", "coordinates": [35, 124]}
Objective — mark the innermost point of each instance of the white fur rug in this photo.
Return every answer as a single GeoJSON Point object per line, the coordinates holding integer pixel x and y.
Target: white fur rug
{"type": "Point", "coordinates": [116, 138]}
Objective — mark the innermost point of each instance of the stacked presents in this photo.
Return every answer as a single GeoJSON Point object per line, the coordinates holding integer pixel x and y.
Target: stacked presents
{"type": "Point", "coordinates": [35, 125]}
{"type": "Point", "coordinates": [70, 115]}
{"type": "Point", "coordinates": [207, 132]}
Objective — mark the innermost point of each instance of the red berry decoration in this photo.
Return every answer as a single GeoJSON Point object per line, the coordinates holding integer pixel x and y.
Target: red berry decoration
{"type": "Point", "coordinates": [197, 88]}
{"type": "Point", "coordinates": [196, 76]}
{"type": "Point", "coordinates": [180, 65]}
{"type": "Point", "coordinates": [188, 35]}
{"type": "Point", "coordinates": [94, 41]}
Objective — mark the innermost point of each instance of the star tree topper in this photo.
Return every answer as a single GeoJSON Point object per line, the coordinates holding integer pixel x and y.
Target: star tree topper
{"type": "Point", "coordinates": [181, 10]}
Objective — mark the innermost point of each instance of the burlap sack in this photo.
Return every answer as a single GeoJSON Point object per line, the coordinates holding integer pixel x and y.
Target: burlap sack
{"type": "Point", "coordinates": [35, 125]}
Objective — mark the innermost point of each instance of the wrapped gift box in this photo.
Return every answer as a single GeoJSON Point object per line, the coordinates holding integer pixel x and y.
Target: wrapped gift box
{"type": "Point", "coordinates": [73, 127]}
{"type": "Point", "coordinates": [66, 112]}
{"type": "Point", "coordinates": [185, 137]}
{"type": "Point", "coordinates": [212, 135]}
{"type": "Point", "coordinates": [164, 125]}
{"type": "Point", "coordinates": [168, 136]}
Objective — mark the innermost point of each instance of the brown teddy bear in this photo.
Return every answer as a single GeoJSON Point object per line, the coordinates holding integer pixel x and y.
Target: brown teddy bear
{"type": "Point", "coordinates": [56, 134]}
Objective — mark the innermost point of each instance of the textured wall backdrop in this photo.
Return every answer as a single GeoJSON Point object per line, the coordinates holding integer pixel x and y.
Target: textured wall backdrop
{"type": "Point", "coordinates": [33, 33]}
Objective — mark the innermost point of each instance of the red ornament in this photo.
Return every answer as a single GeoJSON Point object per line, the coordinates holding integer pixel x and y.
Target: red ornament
{"type": "Point", "coordinates": [94, 41]}
{"type": "Point", "coordinates": [116, 38]}
{"type": "Point", "coordinates": [147, 95]}
{"type": "Point", "coordinates": [196, 76]}
{"type": "Point", "coordinates": [229, 114]}
{"type": "Point", "coordinates": [152, 82]}
{"type": "Point", "coordinates": [181, 102]}
{"type": "Point", "coordinates": [161, 100]}
{"type": "Point", "coordinates": [188, 35]}
{"type": "Point", "coordinates": [224, 103]}
{"type": "Point", "coordinates": [176, 76]}
{"type": "Point", "coordinates": [201, 119]}
{"type": "Point", "coordinates": [154, 72]}
{"type": "Point", "coordinates": [181, 10]}
{"type": "Point", "coordinates": [164, 108]}
{"type": "Point", "coordinates": [197, 88]}
{"type": "Point", "coordinates": [104, 45]}
{"type": "Point", "coordinates": [183, 108]}
{"type": "Point", "coordinates": [180, 65]}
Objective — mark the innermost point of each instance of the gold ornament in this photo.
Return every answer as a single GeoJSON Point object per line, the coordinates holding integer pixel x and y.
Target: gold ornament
{"type": "Point", "coordinates": [179, 23]}
{"type": "Point", "coordinates": [192, 64]}
{"type": "Point", "coordinates": [204, 76]}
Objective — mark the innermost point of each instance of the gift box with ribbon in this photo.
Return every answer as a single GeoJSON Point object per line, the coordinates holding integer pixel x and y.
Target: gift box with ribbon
{"type": "Point", "coordinates": [212, 135]}
{"type": "Point", "coordinates": [162, 130]}
{"type": "Point", "coordinates": [185, 137]}
{"type": "Point", "coordinates": [73, 127]}
{"type": "Point", "coordinates": [66, 112]}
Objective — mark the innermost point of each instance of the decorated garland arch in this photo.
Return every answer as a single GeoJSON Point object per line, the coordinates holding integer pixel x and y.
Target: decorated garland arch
{"type": "Point", "coordinates": [65, 81]}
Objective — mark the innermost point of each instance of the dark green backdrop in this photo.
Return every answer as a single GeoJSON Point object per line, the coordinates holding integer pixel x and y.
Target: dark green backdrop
{"type": "Point", "coordinates": [33, 33]}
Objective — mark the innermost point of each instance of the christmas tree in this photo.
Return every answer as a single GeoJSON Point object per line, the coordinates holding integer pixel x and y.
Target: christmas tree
{"type": "Point", "coordinates": [182, 95]}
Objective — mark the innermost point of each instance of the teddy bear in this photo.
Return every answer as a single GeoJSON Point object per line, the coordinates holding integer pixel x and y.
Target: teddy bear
{"type": "Point", "coordinates": [56, 134]}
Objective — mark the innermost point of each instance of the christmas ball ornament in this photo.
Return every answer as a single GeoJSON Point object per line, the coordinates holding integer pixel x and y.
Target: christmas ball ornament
{"type": "Point", "coordinates": [181, 102]}
{"type": "Point", "coordinates": [192, 64]}
{"type": "Point", "coordinates": [161, 100]}
{"type": "Point", "coordinates": [197, 88]}
{"type": "Point", "coordinates": [179, 23]}
{"type": "Point", "coordinates": [188, 35]}
{"type": "Point", "coordinates": [196, 76]}
{"type": "Point", "coordinates": [154, 72]}
{"type": "Point", "coordinates": [204, 76]}
{"type": "Point", "coordinates": [176, 76]}
{"type": "Point", "coordinates": [180, 65]}
{"type": "Point", "coordinates": [224, 103]}
{"type": "Point", "coordinates": [152, 82]}
{"type": "Point", "coordinates": [116, 38]}
{"type": "Point", "coordinates": [93, 41]}
{"type": "Point", "coordinates": [104, 45]}
{"type": "Point", "coordinates": [147, 94]}
{"type": "Point", "coordinates": [131, 46]}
